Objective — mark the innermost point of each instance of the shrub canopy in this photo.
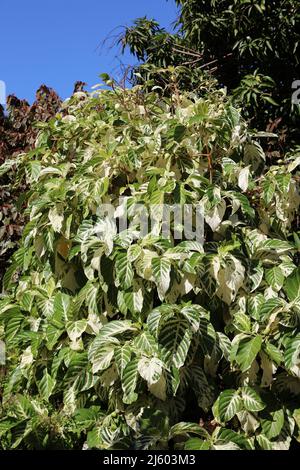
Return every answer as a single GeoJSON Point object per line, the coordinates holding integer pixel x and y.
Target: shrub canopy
{"type": "Point", "coordinates": [116, 339]}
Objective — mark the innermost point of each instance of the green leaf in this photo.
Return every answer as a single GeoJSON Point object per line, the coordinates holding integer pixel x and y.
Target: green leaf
{"type": "Point", "coordinates": [253, 154]}
{"type": "Point", "coordinates": [23, 408]}
{"type": "Point", "coordinates": [85, 418]}
{"type": "Point", "coordinates": [280, 246]}
{"type": "Point", "coordinates": [132, 301]}
{"type": "Point", "coordinates": [254, 304]}
{"type": "Point", "coordinates": [264, 442]}
{"type": "Point", "coordinates": [292, 351]}
{"type": "Point", "coordinates": [252, 401]}
{"type": "Point", "coordinates": [161, 271]}
{"type": "Point", "coordinates": [124, 271]}
{"type": "Point", "coordinates": [94, 438]}
{"type": "Point", "coordinates": [272, 426]}
{"type": "Point", "coordinates": [159, 389]}
{"type": "Point", "coordinates": [224, 436]}
{"type": "Point", "coordinates": [56, 219]}
{"type": "Point", "coordinates": [122, 357]}
{"type": "Point", "coordinates": [196, 444]}
{"type": "Point", "coordinates": [105, 77]}
{"type": "Point", "coordinates": [179, 132]}
{"type": "Point", "coordinates": [62, 306]}
{"type": "Point", "coordinates": [114, 328]}
{"type": "Point", "coordinates": [129, 382]}
{"type": "Point", "coordinates": [133, 253]}
{"type": "Point", "coordinates": [247, 350]}
{"type": "Point", "coordinates": [157, 317]}
{"type": "Point", "coordinates": [145, 343]}
{"type": "Point", "coordinates": [292, 285]}
{"type": "Point", "coordinates": [150, 369]}
{"type": "Point", "coordinates": [228, 404]}
{"type": "Point", "coordinates": [273, 352]}
{"type": "Point", "coordinates": [175, 340]}
{"type": "Point", "coordinates": [270, 306]}
{"type": "Point", "coordinates": [270, 100]}
{"type": "Point", "coordinates": [256, 277]}
{"type": "Point", "coordinates": [183, 428]}
{"type": "Point", "coordinates": [275, 278]}
{"type": "Point", "coordinates": [76, 329]}
{"type": "Point", "coordinates": [52, 335]}
{"type": "Point", "coordinates": [268, 190]}
{"type": "Point", "coordinates": [101, 354]}
{"type": "Point", "coordinates": [46, 385]}
{"type": "Point", "coordinates": [7, 424]}
{"type": "Point", "coordinates": [193, 315]}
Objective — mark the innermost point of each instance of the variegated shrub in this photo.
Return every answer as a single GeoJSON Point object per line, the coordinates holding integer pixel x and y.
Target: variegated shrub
{"type": "Point", "coordinates": [120, 340]}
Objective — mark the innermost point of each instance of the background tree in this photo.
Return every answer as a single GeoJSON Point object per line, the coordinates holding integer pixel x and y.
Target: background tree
{"type": "Point", "coordinates": [251, 46]}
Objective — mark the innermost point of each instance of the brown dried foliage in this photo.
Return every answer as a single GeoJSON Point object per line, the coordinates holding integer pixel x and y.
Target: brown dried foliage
{"type": "Point", "coordinates": [18, 134]}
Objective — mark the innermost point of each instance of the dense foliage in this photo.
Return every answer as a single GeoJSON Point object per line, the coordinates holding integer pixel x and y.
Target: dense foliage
{"type": "Point", "coordinates": [251, 46]}
{"type": "Point", "coordinates": [119, 339]}
{"type": "Point", "coordinates": [18, 134]}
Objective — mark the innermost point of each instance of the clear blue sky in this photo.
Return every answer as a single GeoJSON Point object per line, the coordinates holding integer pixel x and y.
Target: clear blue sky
{"type": "Point", "coordinates": [55, 41]}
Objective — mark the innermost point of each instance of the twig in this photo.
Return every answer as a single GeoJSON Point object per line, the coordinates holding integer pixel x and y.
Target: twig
{"type": "Point", "coordinates": [193, 54]}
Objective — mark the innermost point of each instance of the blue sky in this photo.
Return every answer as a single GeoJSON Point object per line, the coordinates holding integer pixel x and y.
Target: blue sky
{"type": "Point", "coordinates": [55, 42]}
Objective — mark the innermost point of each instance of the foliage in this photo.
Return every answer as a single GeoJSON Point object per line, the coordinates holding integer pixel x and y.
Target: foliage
{"type": "Point", "coordinates": [239, 41]}
{"type": "Point", "coordinates": [116, 338]}
{"type": "Point", "coordinates": [18, 134]}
